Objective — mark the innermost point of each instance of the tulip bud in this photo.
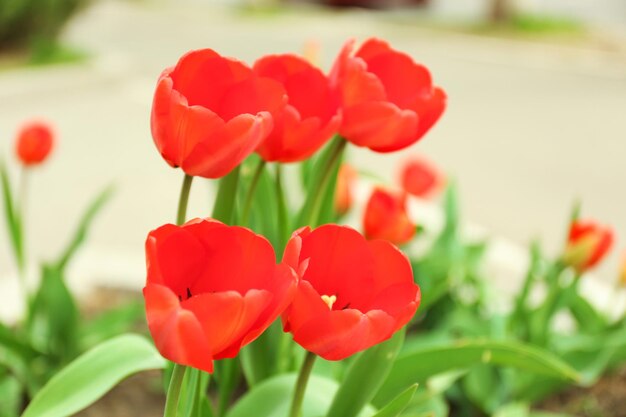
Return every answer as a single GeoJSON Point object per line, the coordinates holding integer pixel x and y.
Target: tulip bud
{"type": "Point", "coordinates": [420, 178]}
{"type": "Point", "coordinates": [587, 244]}
{"type": "Point", "coordinates": [346, 180]}
{"type": "Point", "coordinates": [386, 217]}
{"type": "Point", "coordinates": [34, 143]}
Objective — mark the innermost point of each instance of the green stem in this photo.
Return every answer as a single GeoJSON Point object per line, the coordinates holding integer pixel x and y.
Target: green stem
{"type": "Point", "coordinates": [247, 206]}
{"type": "Point", "coordinates": [173, 391]}
{"type": "Point", "coordinates": [283, 216]}
{"type": "Point", "coordinates": [318, 197]}
{"type": "Point", "coordinates": [183, 200]}
{"type": "Point", "coordinates": [224, 207]}
{"type": "Point", "coordinates": [301, 383]}
{"type": "Point", "coordinates": [22, 194]}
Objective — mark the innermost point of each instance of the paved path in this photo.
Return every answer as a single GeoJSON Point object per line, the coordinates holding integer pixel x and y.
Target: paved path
{"type": "Point", "coordinates": [529, 126]}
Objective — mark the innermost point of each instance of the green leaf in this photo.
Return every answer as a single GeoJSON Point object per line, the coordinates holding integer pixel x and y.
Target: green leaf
{"type": "Point", "coordinates": [419, 365]}
{"type": "Point", "coordinates": [272, 398]}
{"type": "Point", "coordinates": [14, 341]}
{"type": "Point", "coordinates": [365, 376]}
{"type": "Point", "coordinates": [53, 316]}
{"type": "Point", "coordinates": [224, 207]}
{"type": "Point", "coordinates": [10, 396]}
{"type": "Point", "coordinates": [513, 410]}
{"type": "Point", "coordinates": [112, 323]}
{"type": "Point", "coordinates": [398, 404]}
{"type": "Point", "coordinates": [13, 219]}
{"type": "Point", "coordinates": [257, 362]}
{"type": "Point", "coordinates": [85, 222]}
{"type": "Point", "coordinates": [228, 376]}
{"type": "Point", "coordinates": [93, 374]}
{"type": "Point", "coordinates": [320, 188]}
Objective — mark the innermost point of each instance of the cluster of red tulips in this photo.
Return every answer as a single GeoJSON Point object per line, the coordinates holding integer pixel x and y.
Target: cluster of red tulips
{"type": "Point", "coordinates": [213, 287]}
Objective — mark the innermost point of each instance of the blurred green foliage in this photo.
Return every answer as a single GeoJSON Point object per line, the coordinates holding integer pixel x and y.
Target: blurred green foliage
{"type": "Point", "coordinates": [35, 25]}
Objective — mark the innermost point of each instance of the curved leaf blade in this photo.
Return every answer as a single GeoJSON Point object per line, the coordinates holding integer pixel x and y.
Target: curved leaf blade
{"type": "Point", "coordinates": [272, 398]}
{"type": "Point", "coordinates": [419, 365]}
{"type": "Point", "coordinates": [398, 404]}
{"type": "Point", "coordinates": [365, 376]}
{"type": "Point", "coordinates": [93, 374]}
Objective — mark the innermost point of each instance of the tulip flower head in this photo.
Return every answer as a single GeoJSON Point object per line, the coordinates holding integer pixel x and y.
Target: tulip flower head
{"type": "Point", "coordinates": [587, 244]}
{"type": "Point", "coordinates": [211, 289]}
{"type": "Point", "coordinates": [386, 217]}
{"type": "Point", "coordinates": [34, 143]}
{"type": "Point", "coordinates": [388, 100]}
{"type": "Point", "coordinates": [420, 178]}
{"type": "Point", "coordinates": [346, 180]}
{"type": "Point", "coordinates": [210, 112]}
{"type": "Point", "coordinates": [310, 117]}
{"type": "Point", "coordinates": [352, 293]}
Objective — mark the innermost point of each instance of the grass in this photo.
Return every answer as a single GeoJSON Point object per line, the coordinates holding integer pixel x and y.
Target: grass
{"type": "Point", "coordinates": [40, 54]}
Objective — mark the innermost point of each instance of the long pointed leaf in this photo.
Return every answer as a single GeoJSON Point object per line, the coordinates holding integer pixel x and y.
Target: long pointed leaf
{"type": "Point", "coordinates": [93, 374]}
{"type": "Point", "coordinates": [364, 377]}
{"type": "Point", "coordinates": [83, 226]}
{"type": "Point", "coordinates": [13, 219]}
{"type": "Point", "coordinates": [419, 365]}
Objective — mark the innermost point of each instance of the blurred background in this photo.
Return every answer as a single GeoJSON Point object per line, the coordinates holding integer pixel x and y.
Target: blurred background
{"type": "Point", "coordinates": [536, 116]}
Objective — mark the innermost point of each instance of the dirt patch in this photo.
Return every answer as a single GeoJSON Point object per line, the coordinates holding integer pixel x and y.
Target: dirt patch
{"type": "Point", "coordinates": [139, 395]}
{"type": "Point", "coordinates": [607, 398]}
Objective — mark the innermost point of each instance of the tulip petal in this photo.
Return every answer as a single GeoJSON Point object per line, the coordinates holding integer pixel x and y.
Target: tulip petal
{"type": "Point", "coordinates": [405, 81]}
{"type": "Point", "coordinates": [227, 316]}
{"type": "Point", "coordinates": [176, 332]}
{"type": "Point", "coordinates": [176, 258]}
{"type": "Point", "coordinates": [177, 127]}
{"type": "Point", "coordinates": [203, 77]}
{"type": "Point", "coordinates": [340, 264]}
{"type": "Point", "coordinates": [226, 148]}
{"type": "Point", "coordinates": [252, 96]}
{"type": "Point", "coordinates": [378, 125]}
{"type": "Point", "coordinates": [342, 333]}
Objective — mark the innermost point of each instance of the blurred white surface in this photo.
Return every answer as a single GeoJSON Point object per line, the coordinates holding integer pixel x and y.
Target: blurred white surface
{"type": "Point", "coordinates": [529, 128]}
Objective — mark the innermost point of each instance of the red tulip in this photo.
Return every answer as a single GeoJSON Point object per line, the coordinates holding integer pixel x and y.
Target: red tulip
{"type": "Point", "coordinates": [310, 117]}
{"type": "Point", "coordinates": [352, 294]}
{"type": "Point", "coordinates": [587, 243]}
{"type": "Point", "coordinates": [346, 180]}
{"type": "Point", "coordinates": [34, 143]}
{"type": "Point", "coordinates": [209, 113]}
{"type": "Point", "coordinates": [211, 289]}
{"type": "Point", "coordinates": [386, 217]}
{"type": "Point", "coordinates": [420, 178]}
{"type": "Point", "coordinates": [388, 100]}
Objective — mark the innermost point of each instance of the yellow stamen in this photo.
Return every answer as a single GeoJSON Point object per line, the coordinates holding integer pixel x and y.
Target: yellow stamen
{"type": "Point", "coordinates": [329, 300]}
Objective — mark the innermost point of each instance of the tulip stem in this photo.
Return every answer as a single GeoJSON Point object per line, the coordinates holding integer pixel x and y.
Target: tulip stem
{"type": "Point", "coordinates": [283, 215]}
{"type": "Point", "coordinates": [339, 144]}
{"type": "Point", "coordinates": [173, 391]}
{"type": "Point", "coordinates": [301, 383]}
{"type": "Point", "coordinates": [247, 206]}
{"type": "Point", "coordinates": [183, 200]}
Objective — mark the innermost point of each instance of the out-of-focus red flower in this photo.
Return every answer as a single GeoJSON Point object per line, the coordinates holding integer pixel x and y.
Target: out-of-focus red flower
{"type": "Point", "coordinates": [34, 143]}
{"type": "Point", "coordinates": [211, 289]}
{"type": "Point", "coordinates": [420, 178]}
{"type": "Point", "coordinates": [210, 112]}
{"type": "Point", "coordinates": [346, 180]}
{"type": "Point", "coordinates": [386, 217]}
{"type": "Point", "coordinates": [388, 100]}
{"type": "Point", "coordinates": [352, 293]}
{"type": "Point", "coordinates": [310, 117]}
{"type": "Point", "coordinates": [587, 243]}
